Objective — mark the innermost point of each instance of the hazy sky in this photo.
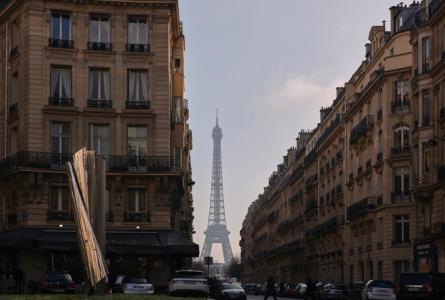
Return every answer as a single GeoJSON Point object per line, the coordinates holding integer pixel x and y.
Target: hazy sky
{"type": "Point", "coordinates": [268, 66]}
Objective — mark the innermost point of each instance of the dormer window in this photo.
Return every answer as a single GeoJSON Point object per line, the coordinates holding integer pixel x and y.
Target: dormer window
{"type": "Point", "coordinates": [400, 22]}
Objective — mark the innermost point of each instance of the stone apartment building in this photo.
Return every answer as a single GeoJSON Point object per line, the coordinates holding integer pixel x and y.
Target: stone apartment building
{"type": "Point", "coordinates": [109, 76]}
{"type": "Point", "coordinates": [373, 167]}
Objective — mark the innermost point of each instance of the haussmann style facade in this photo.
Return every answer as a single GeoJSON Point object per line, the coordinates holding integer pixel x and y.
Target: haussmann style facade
{"type": "Point", "coordinates": [362, 195]}
{"type": "Point", "coordinates": [106, 75]}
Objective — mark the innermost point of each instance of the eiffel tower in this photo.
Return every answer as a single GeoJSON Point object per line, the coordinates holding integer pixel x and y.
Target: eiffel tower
{"type": "Point", "coordinates": [216, 229]}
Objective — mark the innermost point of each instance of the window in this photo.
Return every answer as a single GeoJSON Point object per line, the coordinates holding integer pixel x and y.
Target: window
{"type": "Point", "coordinates": [137, 141]}
{"type": "Point", "coordinates": [400, 22]}
{"type": "Point", "coordinates": [14, 34]}
{"type": "Point", "coordinates": [137, 202]}
{"type": "Point", "coordinates": [60, 138]}
{"type": "Point", "coordinates": [99, 29]}
{"type": "Point", "coordinates": [59, 198]}
{"type": "Point", "coordinates": [426, 54]}
{"type": "Point", "coordinates": [60, 83]}
{"type": "Point", "coordinates": [14, 93]}
{"type": "Point", "coordinates": [427, 159]}
{"type": "Point", "coordinates": [401, 229]}
{"type": "Point", "coordinates": [137, 30]}
{"type": "Point", "coordinates": [381, 229]}
{"type": "Point", "coordinates": [100, 139]}
{"type": "Point", "coordinates": [380, 270]}
{"type": "Point", "coordinates": [351, 273]}
{"type": "Point", "coordinates": [177, 158]}
{"type": "Point", "coordinates": [137, 85]}
{"type": "Point", "coordinates": [401, 136]}
{"type": "Point", "coordinates": [13, 139]}
{"type": "Point", "coordinates": [177, 109]}
{"type": "Point", "coordinates": [99, 84]}
{"type": "Point", "coordinates": [425, 108]}
{"type": "Point", "coordinates": [401, 181]}
{"type": "Point", "coordinates": [60, 26]}
{"type": "Point", "coordinates": [400, 266]}
{"type": "Point", "coordinates": [402, 93]}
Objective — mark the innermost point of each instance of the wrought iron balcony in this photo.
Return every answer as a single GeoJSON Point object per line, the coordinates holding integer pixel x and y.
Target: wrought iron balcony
{"type": "Point", "coordinates": [14, 51]}
{"type": "Point", "coordinates": [99, 103]}
{"type": "Point", "coordinates": [60, 101]}
{"type": "Point", "coordinates": [138, 104]}
{"type": "Point", "coordinates": [59, 215]}
{"type": "Point", "coordinates": [399, 107]}
{"type": "Point", "coordinates": [141, 48]}
{"type": "Point", "coordinates": [137, 217]}
{"type": "Point", "coordinates": [332, 126]}
{"type": "Point", "coordinates": [361, 208]}
{"type": "Point", "coordinates": [100, 46]}
{"type": "Point", "coordinates": [59, 43]}
{"type": "Point", "coordinates": [401, 150]}
{"type": "Point", "coordinates": [13, 109]}
{"type": "Point", "coordinates": [361, 129]}
{"type": "Point", "coordinates": [311, 181]}
{"type": "Point", "coordinates": [400, 197]}
{"type": "Point", "coordinates": [57, 162]}
{"type": "Point", "coordinates": [119, 163]}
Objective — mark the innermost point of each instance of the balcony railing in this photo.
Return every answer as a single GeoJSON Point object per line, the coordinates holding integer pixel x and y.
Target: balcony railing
{"type": "Point", "coordinates": [361, 208]}
{"type": "Point", "coordinates": [137, 217]}
{"type": "Point", "coordinates": [400, 151]}
{"type": "Point", "coordinates": [138, 104]}
{"type": "Point", "coordinates": [141, 48]}
{"type": "Point", "coordinates": [59, 215]}
{"type": "Point", "coordinates": [398, 107]}
{"type": "Point", "coordinates": [13, 109]}
{"type": "Point", "coordinates": [400, 197]}
{"type": "Point", "coordinates": [361, 129]}
{"type": "Point", "coordinates": [100, 46]}
{"type": "Point", "coordinates": [58, 43]}
{"type": "Point", "coordinates": [311, 181]}
{"type": "Point", "coordinates": [99, 103]}
{"type": "Point", "coordinates": [327, 132]}
{"type": "Point", "coordinates": [57, 161]}
{"type": "Point", "coordinates": [59, 101]}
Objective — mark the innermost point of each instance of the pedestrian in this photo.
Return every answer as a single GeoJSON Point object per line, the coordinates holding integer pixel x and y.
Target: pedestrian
{"type": "Point", "coordinates": [281, 292]}
{"type": "Point", "coordinates": [270, 289]}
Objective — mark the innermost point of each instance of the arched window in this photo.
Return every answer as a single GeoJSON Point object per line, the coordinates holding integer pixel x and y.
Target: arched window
{"type": "Point", "coordinates": [401, 136]}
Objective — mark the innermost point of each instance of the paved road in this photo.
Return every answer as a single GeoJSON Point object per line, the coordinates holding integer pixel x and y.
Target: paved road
{"type": "Point", "coordinates": [251, 297]}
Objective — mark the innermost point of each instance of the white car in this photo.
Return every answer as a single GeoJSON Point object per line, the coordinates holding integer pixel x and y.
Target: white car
{"type": "Point", "coordinates": [188, 282]}
{"type": "Point", "coordinates": [378, 290]}
{"type": "Point", "coordinates": [134, 285]}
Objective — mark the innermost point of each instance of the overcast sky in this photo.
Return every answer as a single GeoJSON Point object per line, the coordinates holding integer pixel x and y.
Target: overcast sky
{"type": "Point", "coordinates": [268, 66]}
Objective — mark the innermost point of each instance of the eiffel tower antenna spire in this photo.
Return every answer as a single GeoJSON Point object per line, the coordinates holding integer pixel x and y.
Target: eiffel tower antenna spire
{"type": "Point", "coordinates": [217, 232]}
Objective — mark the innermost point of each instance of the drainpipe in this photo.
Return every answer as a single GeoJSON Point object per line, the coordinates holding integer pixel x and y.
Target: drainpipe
{"type": "Point", "coordinates": [6, 83]}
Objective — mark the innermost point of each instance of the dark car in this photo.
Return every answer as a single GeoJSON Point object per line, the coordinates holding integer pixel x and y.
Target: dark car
{"type": "Point", "coordinates": [290, 291]}
{"type": "Point", "coordinates": [230, 290]}
{"type": "Point", "coordinates": [57, 283]}
{"type": "Point", "coordinates": [251, 288]}
{"type": "Point", "coordinates": [332, 291]}
{"type": "Point", "coordinates": [429, 286]}
{"type": "Point", "coordinates": [354, 290]}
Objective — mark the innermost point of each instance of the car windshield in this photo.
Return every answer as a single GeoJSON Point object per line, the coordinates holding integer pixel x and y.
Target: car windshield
{"type": "Point", "coordinates": [189, 274]}
{"type": "Point", "coordinates": [231, 286]}
{"type": "Point", "coordinates": [135, 280]}
{"type": "Point", "coordinates": [414, 278]}
{"type": "Point", "coordinates": [382, 284]}
{"type": "Point", "coordinates": [58, 276]}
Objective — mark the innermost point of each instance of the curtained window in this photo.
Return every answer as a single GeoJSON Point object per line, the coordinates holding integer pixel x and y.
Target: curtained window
{"type": "Point", "coordinates": [100, 139]}
{"type": "Point", "coordinates": [137, 202]}
{"type": "Point", "coordinates": [137, 141]}
{"type": "Point", "coordinates": [61, 82]}
{"type": "Point", "coordinates": [99, 88]}
{"type": "Point", "coordinates": [59, 198]}
{"type": "Point", "coordinates": [137, 30]}
{"type": "Point", "coordinates": [137, 85]}
{"type": "Point", "coordinates": [99, 29]}
{"type": "Point", "coordinates": [60, 26]}
{"type": "Point", "coordinates": [60, 138]}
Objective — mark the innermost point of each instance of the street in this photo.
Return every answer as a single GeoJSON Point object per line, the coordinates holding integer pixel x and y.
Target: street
{"type": "Point", "coordinates": [259, 297]}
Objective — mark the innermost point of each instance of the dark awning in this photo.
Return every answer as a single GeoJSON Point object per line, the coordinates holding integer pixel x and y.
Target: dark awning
{"type": "Point", "coordinates": [163, 242]}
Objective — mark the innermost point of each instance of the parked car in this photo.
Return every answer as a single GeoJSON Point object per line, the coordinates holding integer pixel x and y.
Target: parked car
{"type": "Point", "coordinates": [378, 290]}
{"type": "Point", "coordinates": [302, 290]}
{"type": "Point", "coordinates": [230, 290]}
{"type": "Point", "coordinates": [354, 290]}
{"type": "Point", "coordinates": [429, 286]}
{"type": "Point", "coordinates": [57, 283]}
{"type": "Point", "coordinates": [331, 291]}
{"type": "Point", "coordinates": [135, 285]}
{"type": "Point", "coordinates": [251, 288]}
{"type": "Point", "coordinates": [291, 290]}
{"type": "Point", "coordinates": [188, 282]}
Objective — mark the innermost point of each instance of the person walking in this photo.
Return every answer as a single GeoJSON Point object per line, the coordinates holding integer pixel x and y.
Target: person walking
{"type": "Point", "coordinates": [270, 289]}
